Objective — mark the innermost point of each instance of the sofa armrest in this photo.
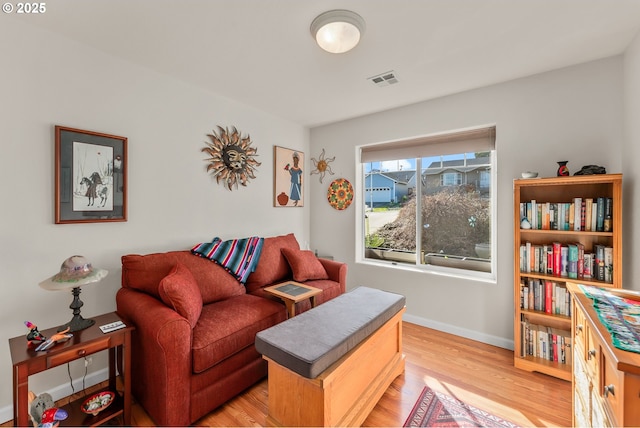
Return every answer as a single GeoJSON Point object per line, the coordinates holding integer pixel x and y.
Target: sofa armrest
{"type": "Point", "coordinates": [337, 272]}
{"type": "Point", "coordinates": [161, 356]}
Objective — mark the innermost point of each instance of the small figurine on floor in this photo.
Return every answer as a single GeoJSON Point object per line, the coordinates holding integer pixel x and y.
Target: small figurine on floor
{"type": "Point", "coordinates": [34, 337]}
{"type": "Point", "coordinates": [62, 336]}
{"type": "Point", "coordinates": [42, 411]}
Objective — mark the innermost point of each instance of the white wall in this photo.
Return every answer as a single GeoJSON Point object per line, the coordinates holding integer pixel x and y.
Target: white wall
{"type": "Point", "coordinates": [48, 80]}
{"type": "Point", "coordinates": [631, 155]}
{"type": "Point", "coordinates": [571, 114]}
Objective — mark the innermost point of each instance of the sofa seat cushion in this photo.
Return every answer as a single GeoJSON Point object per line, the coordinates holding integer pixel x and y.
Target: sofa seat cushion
{"type": "Point", "coordinates": [272, 266]}
{"type": "Point", "coordinates": [144, 273]}
{"type": "Point", "coordinates": [226, 327]}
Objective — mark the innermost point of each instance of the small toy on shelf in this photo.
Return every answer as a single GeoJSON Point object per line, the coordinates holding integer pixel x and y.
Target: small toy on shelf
{"type": "Point", "coordinates": [62, 336]}
{"type": "Point", "coordinates": [42, 411]}
{"type": "Point", "coordinates": [34, 336]}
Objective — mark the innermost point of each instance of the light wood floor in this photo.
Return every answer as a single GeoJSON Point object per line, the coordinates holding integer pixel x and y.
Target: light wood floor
{"type": "Point", "coordinates": [478, 374]}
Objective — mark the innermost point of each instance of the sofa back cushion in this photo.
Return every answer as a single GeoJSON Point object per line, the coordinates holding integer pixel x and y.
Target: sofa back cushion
{"type": "Point", "coordinates": [179, 291]}
{"type": "Point", "coordinates": [144, 273]}
{"type": "Point", "coordinates": [272, 266]}
{"type": "Point", "coordinates": [305, 265]}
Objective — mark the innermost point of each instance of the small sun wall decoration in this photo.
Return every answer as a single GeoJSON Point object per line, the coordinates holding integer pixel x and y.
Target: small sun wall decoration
{"type": "Point", "coordinates": [322, 165]}
{"type": "Point", "coordinates": [232, 157]}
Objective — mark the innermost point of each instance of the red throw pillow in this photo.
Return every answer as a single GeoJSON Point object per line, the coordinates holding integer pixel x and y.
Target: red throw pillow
{"type": "Point", "coordinates": [304, 264]}
{"type": "Point", "coordinates": [179, 290]}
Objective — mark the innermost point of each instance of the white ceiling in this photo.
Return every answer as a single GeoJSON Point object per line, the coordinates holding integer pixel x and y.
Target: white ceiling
{"type": "Point", "coordinates": [261, 53]}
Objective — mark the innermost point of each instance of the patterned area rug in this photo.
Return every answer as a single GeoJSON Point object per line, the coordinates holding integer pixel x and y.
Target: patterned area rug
{"type": "Point", "coordinates": [434, 409]}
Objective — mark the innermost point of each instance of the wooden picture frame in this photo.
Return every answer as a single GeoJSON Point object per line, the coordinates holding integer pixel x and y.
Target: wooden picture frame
{"type": "Point", "coordinates": [288, 177]}
{"type": "Point", "coordinates": [90, 176]}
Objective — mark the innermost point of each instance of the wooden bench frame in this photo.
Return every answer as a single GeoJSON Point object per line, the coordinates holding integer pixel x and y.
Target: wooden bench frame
{"type": "Point", "coordinates": [346, 392]}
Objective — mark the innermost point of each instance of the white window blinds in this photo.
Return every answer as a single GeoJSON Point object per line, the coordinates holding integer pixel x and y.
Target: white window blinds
{"type": "Point", "coordinates": [467, 141]}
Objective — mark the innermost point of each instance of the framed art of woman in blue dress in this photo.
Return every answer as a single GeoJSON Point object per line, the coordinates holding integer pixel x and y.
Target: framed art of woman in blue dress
{"type": "Point", "coordinates": [288, 177]}
{"type": "Point", "coordinates": [296, 180]}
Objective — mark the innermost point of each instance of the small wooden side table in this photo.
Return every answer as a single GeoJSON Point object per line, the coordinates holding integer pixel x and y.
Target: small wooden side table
{"type": "Point", "coordinates": [292, 292]}
{"type": "Point", "coordinates": [26, 362]}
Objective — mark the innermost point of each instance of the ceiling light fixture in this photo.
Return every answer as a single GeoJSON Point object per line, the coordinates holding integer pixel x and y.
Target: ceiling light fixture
{"type": "Point", "coordinates": [338, 31]}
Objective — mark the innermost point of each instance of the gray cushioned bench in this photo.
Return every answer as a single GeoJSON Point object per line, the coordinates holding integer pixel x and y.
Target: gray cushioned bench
{"type": "Point", "coordinates": [325, 340]}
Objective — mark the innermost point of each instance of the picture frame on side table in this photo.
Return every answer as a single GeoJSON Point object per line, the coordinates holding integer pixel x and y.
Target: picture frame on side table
{"type": "Point", "coordinates": [288, 177]}
{"type": "Point", "coordinates": [90, 176]}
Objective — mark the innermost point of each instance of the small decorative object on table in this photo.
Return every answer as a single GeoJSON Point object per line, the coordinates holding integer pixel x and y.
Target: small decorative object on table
{"type": "Point", "coordinates": [62, 336]}
{"type": "Point", "coordinates": [591, 170]}
{"type": "Point", "coordinates": [34, 337]}
{"type": "Point", "coordinates": [529, 174]}
{"type": "Point", "coordinates": [98, 402]}
{"type": "Point", "coordinates": [563, 169]}
{"type": "Point", "coordinates": [43, 412]}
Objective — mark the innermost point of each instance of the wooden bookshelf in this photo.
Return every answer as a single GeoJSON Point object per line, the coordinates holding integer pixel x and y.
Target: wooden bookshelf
{"type": "Point", "coordinates": [548, 193]}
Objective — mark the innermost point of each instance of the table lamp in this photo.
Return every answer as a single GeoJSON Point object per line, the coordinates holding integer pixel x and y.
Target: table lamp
{"type": "Point", "coordinates": [75, 272]}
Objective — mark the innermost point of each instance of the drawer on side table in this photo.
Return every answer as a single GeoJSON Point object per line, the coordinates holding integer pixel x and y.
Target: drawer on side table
{"type": "Point", "coordinates": [610, 388]}
{"type": "Point", "coordinates": [74, 354]}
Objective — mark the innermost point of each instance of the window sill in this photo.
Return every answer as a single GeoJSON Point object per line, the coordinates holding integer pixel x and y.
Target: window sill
{"type": "Point", "coordinates": [451, 272]}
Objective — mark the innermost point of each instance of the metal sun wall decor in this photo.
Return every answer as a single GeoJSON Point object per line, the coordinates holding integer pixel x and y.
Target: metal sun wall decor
{"type": "Point", "coordinates": [322, 165]}
{"type": "Point", "coordinates": [232, 157]}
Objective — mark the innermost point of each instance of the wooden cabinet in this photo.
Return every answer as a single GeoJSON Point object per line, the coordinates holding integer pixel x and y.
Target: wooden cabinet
{"type": "Point", "coordinates": [606, 380]}
{"type": "Point", "coordinates": [542, 329]}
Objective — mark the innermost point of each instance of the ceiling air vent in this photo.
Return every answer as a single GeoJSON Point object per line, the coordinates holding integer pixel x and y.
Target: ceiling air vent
{"type": "Point", "coordinates": [385, 79]}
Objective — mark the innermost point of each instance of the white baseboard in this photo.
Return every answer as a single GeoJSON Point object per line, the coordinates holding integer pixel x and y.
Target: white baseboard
{"type": "Point", "coordinates": [61, 391]}
{"type": "Point", "coordinates": [459, 331]}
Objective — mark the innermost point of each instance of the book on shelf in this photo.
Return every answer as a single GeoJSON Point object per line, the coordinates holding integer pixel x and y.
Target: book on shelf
{"type": "Point", "coordinates": [545, 342]}
{"type": "Point", "coordinates": [564, 260]}
{"type": "Point", "coordinates": [599, 262]}
{"type": "Point", "coordinates": [581, 214]}
{"type": "Point", "coordinates": [608, 264]}
{"type": "Point", "coordinates": [546, 296]}
{"type": "Point", "coordinates": [572, 266]}
{"type": "Point", "coordinates": [587, 265]}
{"type": "Point", "coordinates": [588, 207]}
{"type": "Point", "coordinates": [600, 215]}
{"type": "Point", "coordinates": [577, 209]}
{"type": "Point", "coordinates": [608, 215]}
{"type": "Point", "coordinates": [557, 258]}
{"type": "Point", "coordinates": [571, 260]}
{"type": "Point", "coordinates": [580, 260]}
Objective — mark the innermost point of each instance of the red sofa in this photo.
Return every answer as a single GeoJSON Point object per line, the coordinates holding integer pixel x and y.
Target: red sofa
{"type": "Point", "coordinates": [193, 347]}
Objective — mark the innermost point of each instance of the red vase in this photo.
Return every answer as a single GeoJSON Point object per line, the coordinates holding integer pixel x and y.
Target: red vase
{"type": "Point", "coordinates": [283, 199]}
{"type": "Point", "coordinates": [563, 170]}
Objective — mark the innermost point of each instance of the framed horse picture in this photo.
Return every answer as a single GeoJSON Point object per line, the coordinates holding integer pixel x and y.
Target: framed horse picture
{"type": "Point", "coordinates": [90, 176]}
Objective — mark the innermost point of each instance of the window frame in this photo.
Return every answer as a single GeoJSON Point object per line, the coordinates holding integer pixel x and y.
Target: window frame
{"type": "Point", "coordinates": [450, 269]}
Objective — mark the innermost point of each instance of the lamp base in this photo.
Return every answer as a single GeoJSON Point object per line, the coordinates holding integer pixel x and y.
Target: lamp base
{"type": "Point", "coordinates": [77, 323]}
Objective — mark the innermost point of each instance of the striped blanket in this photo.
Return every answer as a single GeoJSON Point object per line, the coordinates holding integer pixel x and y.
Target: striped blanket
{"type": "Point", "coordinates": [239, 257]}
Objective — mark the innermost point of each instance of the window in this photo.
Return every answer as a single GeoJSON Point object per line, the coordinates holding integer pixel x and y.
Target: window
{"type": "Point", "coordinates": [450, 179]}
{"type": "Point", "coordinates": [449, 226]}
{"type": "Point", "coordinates": [485, 179]}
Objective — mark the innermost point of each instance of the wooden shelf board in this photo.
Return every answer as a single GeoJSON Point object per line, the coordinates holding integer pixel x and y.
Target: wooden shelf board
{"type": "Point", "coordinates": [534, 364]}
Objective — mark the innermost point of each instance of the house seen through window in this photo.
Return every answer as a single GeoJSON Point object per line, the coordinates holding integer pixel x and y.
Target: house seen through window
{"type": "Point", "coordinates": [434, 208]}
